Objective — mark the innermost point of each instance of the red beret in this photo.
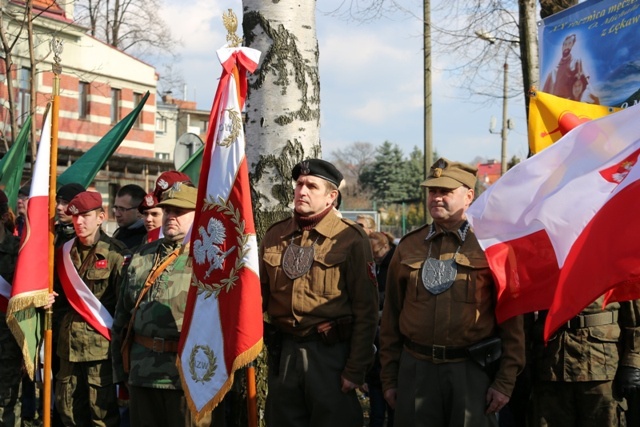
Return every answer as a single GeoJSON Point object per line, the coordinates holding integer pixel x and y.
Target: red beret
{"type": "Point", "coordinates": [166, 180]}
{"type": "Point", "coordinates": [149, 201]}
{"type": "Point", "coordinates": [84, 202]}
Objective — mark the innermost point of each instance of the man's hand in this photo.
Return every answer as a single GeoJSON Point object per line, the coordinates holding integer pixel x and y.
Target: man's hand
{"type": "Point", "coordinates": [390, 396]}
{"type": "Point", "coordinates": [495, 401]}
{"type": "Point", "coordinates": [347, 385]}
{"type": "Point", "coordinates": [51, 298]}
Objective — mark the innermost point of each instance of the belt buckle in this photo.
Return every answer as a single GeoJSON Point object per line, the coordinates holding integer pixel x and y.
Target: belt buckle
{"type": "Point", "coordinates": [438, 352]}
{"type": "Point", "coordinates": [158, 342]}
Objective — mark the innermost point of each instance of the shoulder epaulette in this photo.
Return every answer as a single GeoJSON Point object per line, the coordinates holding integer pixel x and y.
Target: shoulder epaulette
{"type": "Point", "coordinates": [417, 230]}
{"type": "Point", "coordinates": [351, 223]}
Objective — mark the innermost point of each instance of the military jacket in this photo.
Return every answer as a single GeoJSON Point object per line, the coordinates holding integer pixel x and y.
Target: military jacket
{"type": "Point", "coordinates": [160, 315]}
{"type": "Point", "coordinates": [340, 282]}
{"type": "Point", "coordinates": [77, 340]}
{"type": "Point", "coordinates": [9, 349]}
{"type": "Point", "coordinates": [460, 316]}
{"type": "Point", "coordinates": [591, 353]}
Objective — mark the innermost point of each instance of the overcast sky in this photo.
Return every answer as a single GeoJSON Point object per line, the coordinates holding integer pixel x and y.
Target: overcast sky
{"type": "Point", "coordinates": [370, 80]}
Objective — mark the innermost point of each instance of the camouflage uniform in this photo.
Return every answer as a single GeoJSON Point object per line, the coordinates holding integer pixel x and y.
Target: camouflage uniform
{"type": "Point", "coordinates": [153, 372]}
{"type": "Point", "coordinates": [63, 233]}
{"type": "Point", "coordinates": [575, 370]}
{"type": "Point", "coordinates": [85, 390]}
{"type": "Point", "coordinates": [10, 353]}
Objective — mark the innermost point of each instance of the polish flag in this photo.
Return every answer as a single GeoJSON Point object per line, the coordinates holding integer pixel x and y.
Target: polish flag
{"type": "Point", "coordinates": [560, 229]}
{"type": "Point", "coordinates": [222, 328]}
{"type": "Point", "coordinates": [31, 279]}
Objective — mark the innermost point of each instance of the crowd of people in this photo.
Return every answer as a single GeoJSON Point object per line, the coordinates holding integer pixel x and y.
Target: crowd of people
{"type": "Point", "coordinates": [411, 325]}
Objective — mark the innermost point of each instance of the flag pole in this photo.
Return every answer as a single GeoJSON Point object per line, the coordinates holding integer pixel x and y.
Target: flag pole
{"type": "Point", "coordinates": [252, 399]}
{"type": "Point", "coordinates": [56, 48]}
{"type": "Point", "coordinates": [230, 23]}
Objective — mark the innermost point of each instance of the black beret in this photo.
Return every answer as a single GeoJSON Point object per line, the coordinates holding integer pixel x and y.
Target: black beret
{"type": "Point", "coordinates": [68, 191]}
{"type": "Point", "coordinates": [320, 168]}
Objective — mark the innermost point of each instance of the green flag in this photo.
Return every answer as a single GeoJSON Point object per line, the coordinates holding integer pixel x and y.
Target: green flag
{"type": "Point", "coordinates": [12, 164]}
{"type": "Point", "coordinates": [85, 169]}
{"type": "Point", "coordinates": [192, 166]}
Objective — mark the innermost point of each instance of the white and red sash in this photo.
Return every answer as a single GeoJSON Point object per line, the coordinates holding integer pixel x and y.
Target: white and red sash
{"type": "Point", "coordinates": [5, 294]}
{"type": "Point", "coordinates": [80, 296]}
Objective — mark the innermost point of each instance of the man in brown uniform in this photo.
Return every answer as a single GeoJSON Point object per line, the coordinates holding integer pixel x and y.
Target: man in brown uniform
{"type": "Point", "coordinates": [319, 290]}
{"type": "Point", "coordinates": [438, 322]}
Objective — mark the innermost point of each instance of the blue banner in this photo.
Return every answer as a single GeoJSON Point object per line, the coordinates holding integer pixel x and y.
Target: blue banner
{"type": "Point", "coordinates": [591, 53]}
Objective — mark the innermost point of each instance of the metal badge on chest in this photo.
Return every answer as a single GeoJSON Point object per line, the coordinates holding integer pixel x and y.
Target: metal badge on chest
{"type": "Point", "coordinates": [439, 275]}
{"type": "Point", "coordinates": [297, 260]}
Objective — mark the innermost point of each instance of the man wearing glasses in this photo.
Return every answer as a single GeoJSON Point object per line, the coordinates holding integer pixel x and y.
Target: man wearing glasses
{"type": "Point", "coordinates": [131, 229]}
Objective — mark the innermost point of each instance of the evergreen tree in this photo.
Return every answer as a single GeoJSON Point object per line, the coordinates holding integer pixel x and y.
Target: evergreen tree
{"type": "Point", "coordinates": [387, 174]}
{"type": "Point", "coordinates": [415, 174]}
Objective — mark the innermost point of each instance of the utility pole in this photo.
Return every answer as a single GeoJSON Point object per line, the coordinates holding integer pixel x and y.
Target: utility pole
{"type": "Point", "coordinates": [505, 121]}
{"type": "Point", "coordinates": [428, 129]}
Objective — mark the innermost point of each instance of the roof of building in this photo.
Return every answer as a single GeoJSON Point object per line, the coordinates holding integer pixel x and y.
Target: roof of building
{"type": "Point", "coordinates": [488, 172]}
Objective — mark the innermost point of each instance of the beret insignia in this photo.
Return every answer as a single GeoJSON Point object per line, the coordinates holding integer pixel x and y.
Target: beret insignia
{"type": "Point", "coordinates": [163, 184]}
{"type": "Point", "coordinates": [304, 168]}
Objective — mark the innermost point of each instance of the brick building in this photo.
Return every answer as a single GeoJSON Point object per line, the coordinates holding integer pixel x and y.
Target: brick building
{"type": "Point", "coordinates": [99, 85]}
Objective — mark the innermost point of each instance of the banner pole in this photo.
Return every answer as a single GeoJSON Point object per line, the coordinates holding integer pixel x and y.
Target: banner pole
{"type": "Point", "coordinates": [56, 47]}
{"type": "Point", "coordinates": [252, 399]}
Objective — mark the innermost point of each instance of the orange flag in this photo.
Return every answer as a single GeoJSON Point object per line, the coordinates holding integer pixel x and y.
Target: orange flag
{"type": "Point", "coordinates": [552, 117]}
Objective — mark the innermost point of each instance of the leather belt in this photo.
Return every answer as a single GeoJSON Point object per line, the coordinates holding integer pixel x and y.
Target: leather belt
{"type": "Point", "coordinates": [589, 320]}
{"type": "Point", "coordinates": [438, 352]}
{"type": "Point", "coordinates": [313, 336]}
{"type": "Point", "coordinates": [157, 344]}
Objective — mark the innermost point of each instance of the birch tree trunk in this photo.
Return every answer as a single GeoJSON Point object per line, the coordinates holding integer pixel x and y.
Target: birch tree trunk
{"type": "Point", "coordinates": [283, 104]}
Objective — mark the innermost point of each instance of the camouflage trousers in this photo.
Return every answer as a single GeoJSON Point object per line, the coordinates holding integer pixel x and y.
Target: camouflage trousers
{"type": "Point", "coordinates": [10, 392]}
{"type": "Point", "coordinates": [575, 404]}
{"type": "Point", "coordinates": [86, 394]}
{"type": "Point", "coordinates": [152, 407]}
{"type": "Point", "coordinates": [10, 379]}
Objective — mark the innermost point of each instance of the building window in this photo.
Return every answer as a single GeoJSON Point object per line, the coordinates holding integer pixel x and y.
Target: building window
{"type": "Point", "coordinates": [161, 124]}
{"type": "Point", "coordinates": [163, 156]}
{"type": "Point", "coordinates": [137, 98]}
{"type": "Point", "coordinates": [23, 102]}
{"type": "Point", "coordinates": [83, 100]}
{"type": "Point", "coordinates": [115, 105]}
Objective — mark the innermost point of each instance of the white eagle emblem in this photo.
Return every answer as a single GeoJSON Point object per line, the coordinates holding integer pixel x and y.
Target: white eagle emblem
{"type": "Point", "coordinates": [74, 210]}
{"type": "Point", "coordinates": [163, 184]}
{"type": "Point", "coordinates": [149, 200]}
{"type": "Point", "coordinates": [206, 249]}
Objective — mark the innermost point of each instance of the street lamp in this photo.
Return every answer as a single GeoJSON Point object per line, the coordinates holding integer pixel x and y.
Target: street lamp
{"type": "Point", "coordinates": [506, 123]}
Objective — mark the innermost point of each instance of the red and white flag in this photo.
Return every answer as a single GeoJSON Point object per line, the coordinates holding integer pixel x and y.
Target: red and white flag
{"type": "Point", "coordinates": [560, 229]}
{"type": "Point", "coordinates": [31, 279]}
{"type": "Point", "coordinates": [222, 328]}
